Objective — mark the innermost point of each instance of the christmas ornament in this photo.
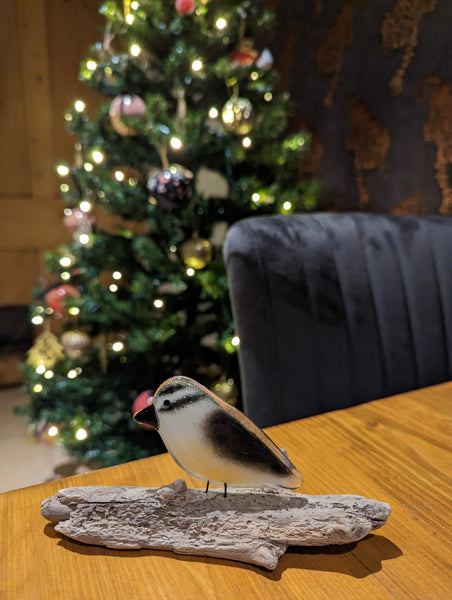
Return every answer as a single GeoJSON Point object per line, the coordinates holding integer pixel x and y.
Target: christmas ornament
{"type": "Point", "coordinates": [237, 115]}
{"type": "Point", "coordinates": [140, 402]}
{"type": "Point", "coordinates": [55, 297]}
{"type": "Point", "coordinates": [245, 55]}
{"type": "Point", "coordinates": [45, 352]}
{"type": "Point", "coordinates": [126, 106]}
{"type": "Point", "coordinates": [75, 343]}
{"type": "Point", "coordinates": [226, 389]}
{"type": "Point", "coordinates": [170, 188]}
{"type": "Point", "coordinates": [265, 60]}
{"type": "Point", "coordinates": [185, 7]}
{"type": "Point", "coordinates": [196, 253]}
{"type": "Point", "coordinates": [74, 219]}
{"type": "Point", "coordinates": [225, 447]}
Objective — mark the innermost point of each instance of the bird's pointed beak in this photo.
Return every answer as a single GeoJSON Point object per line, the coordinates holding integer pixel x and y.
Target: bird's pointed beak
{"type": "Point", "coordinates": [147, 416]}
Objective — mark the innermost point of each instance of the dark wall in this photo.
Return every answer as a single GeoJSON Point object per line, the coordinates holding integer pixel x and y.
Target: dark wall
{"type": "Point", "coordinates": [372, 80]}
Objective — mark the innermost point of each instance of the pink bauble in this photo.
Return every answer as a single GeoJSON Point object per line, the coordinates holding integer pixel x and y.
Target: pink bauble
{"type": "Point", "coordinates": [54, 298]}
{"type": "Point", "coordinates": [126, 106]}
{"type": "Point", "coordinates": [140, 402]}
{"type": "Point", "coordinates": [185, 7]}
{"type": "Point", "coordinates": [75, 218]}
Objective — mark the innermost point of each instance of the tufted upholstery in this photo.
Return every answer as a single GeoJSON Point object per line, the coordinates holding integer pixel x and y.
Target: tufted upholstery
{"type": "Point", "coordinates": [337, 309]}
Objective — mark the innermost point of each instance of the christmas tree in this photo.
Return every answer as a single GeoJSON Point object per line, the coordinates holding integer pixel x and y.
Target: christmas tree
{"type": "Point", "coordinates": [192, 136]}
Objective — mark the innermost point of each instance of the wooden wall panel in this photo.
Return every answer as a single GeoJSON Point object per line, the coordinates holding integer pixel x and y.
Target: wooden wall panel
{"type": "Point", "coordinates": [41, 45]}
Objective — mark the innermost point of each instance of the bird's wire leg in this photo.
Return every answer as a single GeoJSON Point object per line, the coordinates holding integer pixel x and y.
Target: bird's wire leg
{"type": "Point", "coordinates": [207, 486]}
{"type": "Point", "coordinates": [225, 490]}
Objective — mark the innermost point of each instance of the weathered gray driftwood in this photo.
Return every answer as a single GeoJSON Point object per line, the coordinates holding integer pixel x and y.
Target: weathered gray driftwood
{"type": "Point", "coordinates": [251, 525]}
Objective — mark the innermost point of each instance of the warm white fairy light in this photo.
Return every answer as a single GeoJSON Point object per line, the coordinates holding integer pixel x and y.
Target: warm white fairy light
{"type": "Point", "coordinates": [68, 117]}
{"type": "Point", "coordinates": [287, 205]}
{"type": "Point", "coordinates": [134, 5]}
{"type": "Point", "coordinates": [72, 374]}
{"type": "Point", "coordinates": [268, 96]}
{"type": "Point", "coordinates": [79, 106]}
{"type": "Point", "coordinates": [81, 434]}
{"type": "Point", "coordinates": [85, 206]}
{"type": "Point", "coordinates": [97, 156]}
{"type": "Point", "coordinates": [130, 19]}
{"type": "Point", "coordinates": [113, 287]}
{"type": "Point", "coordinates": [117, 275]}
{"type": "Point", "coordinates": [84, 239]}
{"type": "Point", "coordinates": [62, 170]}
{"type": "Point", "coordinates": [135, 50]}
{"type": "Point", "coordinates": [74, 311]}
{"type": "Point", "coordinates": [175, 143]}
{"type": "Point", "coordinates": [255, 197]}
{"type": "Point", "coordinates": [65, 261]}
{"type": "Point", "coordinates": [235, 341]}
{"type": "Point", "coordinates": [38, 388]}
{"type": "Point", "coordinates": [37, 320]}
{"type": "Point", "coordinates": [119, 175]}
{"type": "Point", "coordinates": [190, 271]}
{"type": "Point", "coordinates": [158, 303]}
{"type": "Point", "coordinates": [254, 76]}
{"type": "Point", "coordinates": [52, 431]}
{"type": "Point", "coordinates": [88, 167]}
{"type": "Point", "coordinates": [49, 374]}
{"type": "Point", "coordinates": [213, 112]}
{"type": "Point", "coordinates": [221, 23]}
{"type": "Point", "coordinates": [91, 65]}
{"type": "Point", "coordinates": [117, 347]}
{"type": "Point", "coordinates": [40, 369]}
{"type": "Point", "coordinates": [246, 142]}
{"type": "Point", "coordinates": [197, 65]}
{"type": "Point", "coordinates": [64, 187]}
{"type": "Point", "coordinates": [65, 275]}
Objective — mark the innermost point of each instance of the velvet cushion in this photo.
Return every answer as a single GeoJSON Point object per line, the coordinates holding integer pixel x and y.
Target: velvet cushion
{"type": "Point", "coordinates": [337, 309]}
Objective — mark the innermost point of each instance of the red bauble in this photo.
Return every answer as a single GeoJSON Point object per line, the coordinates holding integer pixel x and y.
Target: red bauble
{"type": "Point", "coordinates": [55, 297]}
{"type": "Point", "coordinates": [140, 402]}
{"type": "Point", "coordinates": [245, 55]}
{"type": "Point", "coordinates": [185, 7]}
{"type": "Point", "coordinates": [126, 106]}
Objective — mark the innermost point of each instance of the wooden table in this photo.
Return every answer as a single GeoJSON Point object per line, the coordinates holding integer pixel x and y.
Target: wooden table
{"type": "Point", "coordinates": [397, 450]}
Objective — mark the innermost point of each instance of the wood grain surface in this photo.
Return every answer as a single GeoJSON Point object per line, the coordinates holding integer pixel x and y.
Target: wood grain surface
{"type": "Point", "coordinates": [397, 450]}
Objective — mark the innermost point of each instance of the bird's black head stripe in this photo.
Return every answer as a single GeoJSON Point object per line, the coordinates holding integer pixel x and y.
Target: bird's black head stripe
{"type": "Point", "coordinates": [175, 400]}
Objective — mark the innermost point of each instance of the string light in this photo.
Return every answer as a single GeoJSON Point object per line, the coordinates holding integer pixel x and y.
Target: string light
{"type": "Point", "coordinates": [135, 50]}
{"type": "Point", "coordinates": [158, 303]}
{"type": "Point", "coordinates": [235, 341]}
{"type": "Point", "coordinates": [197, 65]}
{"type": "Point", "coordinates": [130, 19]}
{"type": "Point", "coordinates": [91, 65]}
{"type": "Point", "coordinates": [72, 374]}
{"type": "Point", "coordinates": [84, 239]}
{"type": "Point", "coordinates": [66, 261]}
{"type": "Point", "coordinates": [117, 275]}
{"type": "Point", "coordinates": [49, 374]}
{"type": "Point", "coordinates": [117, 347]}
{"type": "Point", "coordinates": [113, 287]}
{"type": "Point", "coordinates": [64, 187]}
{"type": "Point", "coordinates": [213, 112]}
{"type": "Point", "coordinates": [85, 206]}
{"type": "Point", "coordinates": [246, 142]}
{"type": "Point", "coordinates": [38, 388]}
{"type": "Point", "coordinates": [287, 205]}
{"type": "Point", "coordinates": [65, 275]}
{"type": "Point", "coordinates": [97, 156]}
{"type": "Point", "coordinates": [37, 320]}
{"type": "Point", "coordinates": [268, 96]}
{"type": "Point", "coordinates": [175, 143]}
{"type": "Point", "coordinates": [79, 106]}
{"type": "Point", "coordinates": [88, 167]}
{"type": "Point", "coordinates": [40, 369]}
{"type": "Point", "coordinates": [255, 197]}
{"type": "Point", "coordinates": [68, 117]}
{"type": "Point", "coordinates": [81, 434]}
{"type": "Point", "coordinates": [190, 271]}
{"type": "Point", "coordinates": [254, 76]}
{"type": "Point", "coordinates": [221, 23]}
{"type": "Point", "coordinates": [52, 431]}
{"type": "Point", "coordinates": [134, 5]}
{"type": "Point", "coordinates": [74, 311]}
{"type": "Point", "coordinates": [62, 170]}
{"type": "Point", "coordinates": [119, 176]}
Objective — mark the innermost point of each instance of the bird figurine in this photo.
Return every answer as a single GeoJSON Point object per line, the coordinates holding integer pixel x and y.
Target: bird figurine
{"type": "Point", "coordinates": [213, 441]}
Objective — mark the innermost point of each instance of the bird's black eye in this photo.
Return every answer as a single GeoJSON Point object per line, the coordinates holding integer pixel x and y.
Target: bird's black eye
{"type": "Point", "coordinates": [166, 403]}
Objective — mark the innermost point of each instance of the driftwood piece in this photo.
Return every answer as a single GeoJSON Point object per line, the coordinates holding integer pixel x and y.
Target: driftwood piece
{"type": "Point", "coordinates": [252, 525]}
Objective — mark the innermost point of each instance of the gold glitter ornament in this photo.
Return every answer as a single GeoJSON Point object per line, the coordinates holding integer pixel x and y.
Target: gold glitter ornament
{"type": "Point", "coordinates": [237, 115]}
{"type": "Point", "coordinates": [226, 389]}
{"type": "Point", "coordinates": [196, 253]}
{"type": "Point", "coordinates": [75, 343]}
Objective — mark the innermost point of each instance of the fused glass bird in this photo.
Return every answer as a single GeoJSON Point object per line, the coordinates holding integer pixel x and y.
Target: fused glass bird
{"type": "Point", "coordinates": [214, 441]}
